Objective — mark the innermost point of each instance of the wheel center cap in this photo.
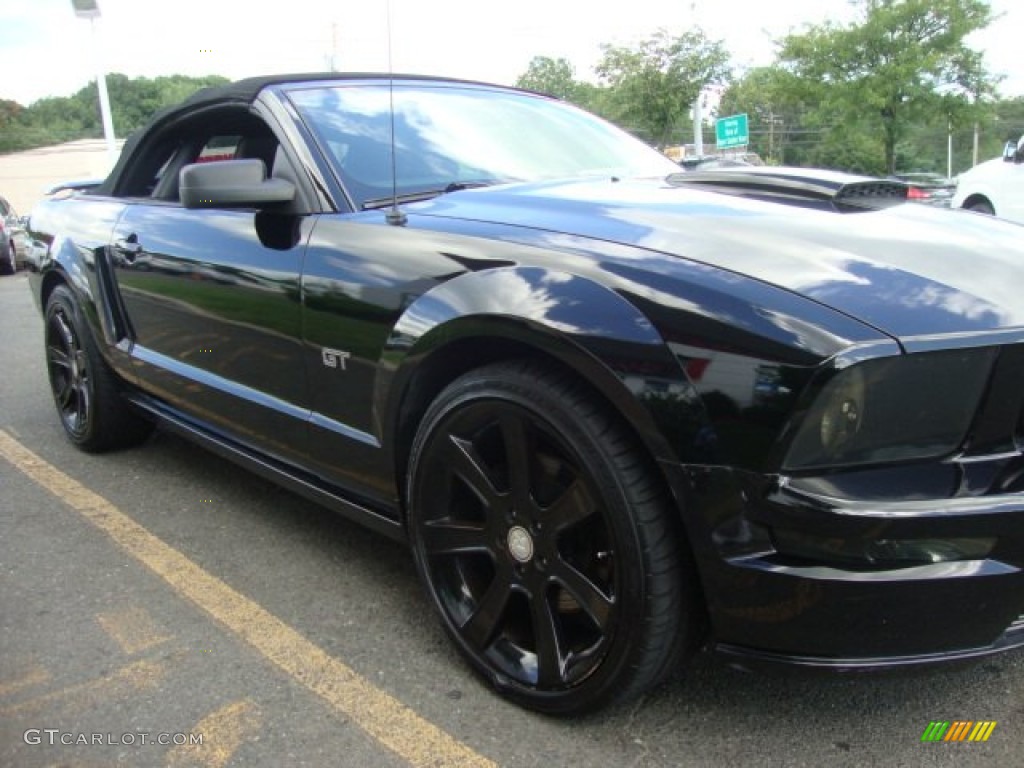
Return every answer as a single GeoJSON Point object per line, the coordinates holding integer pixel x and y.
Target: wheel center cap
{"type": "Point", "coordinates": [520, 544]}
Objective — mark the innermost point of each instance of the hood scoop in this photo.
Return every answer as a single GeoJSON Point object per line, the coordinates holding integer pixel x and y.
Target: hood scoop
{"type": "Point", "coordinates": [797, 186]}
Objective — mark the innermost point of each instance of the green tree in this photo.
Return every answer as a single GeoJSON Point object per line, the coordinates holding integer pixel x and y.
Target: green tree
{"type": "Point", "coordinates": [555, 77]}
{"type": "Point", "coordinates": [779, 128]}
{"type": "Point", "coordinates": [59, 119]}
{"type": "Point", "coordinates": [652, 87]}
{"type": "Point", "coordinates": [901, 63]}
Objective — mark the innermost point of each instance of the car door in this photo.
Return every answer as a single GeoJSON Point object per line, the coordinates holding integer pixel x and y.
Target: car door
{"type": "Point", "coordinates": [212, 298]}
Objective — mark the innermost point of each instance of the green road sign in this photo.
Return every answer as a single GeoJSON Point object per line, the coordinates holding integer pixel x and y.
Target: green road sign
{"type": "Point", "coordinates": [732, 131]}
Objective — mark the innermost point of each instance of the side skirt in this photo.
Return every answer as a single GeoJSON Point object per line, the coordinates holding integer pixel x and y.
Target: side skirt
{"type": "Point", "coordinates": [269, 469]}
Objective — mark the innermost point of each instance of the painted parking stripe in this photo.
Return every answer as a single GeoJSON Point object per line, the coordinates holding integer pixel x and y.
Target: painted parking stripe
{"type": "Point", "coordinates": [133, 629]}
{"type": "Point", "coordinates": [381, 715]}
{"type": "Point", "coordinates": [140, 676]}
{"type": "Point", "coordinates": [37, 675]}
{"type": "Point", "coordinates": [225, 730]}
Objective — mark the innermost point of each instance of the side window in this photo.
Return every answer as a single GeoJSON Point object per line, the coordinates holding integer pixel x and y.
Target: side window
{"type": "Point", "coordinates": [219, 148]}
{"type": "Point", "coordinates": [212, 147]}
{"type": "Point", "coordinates": [212, 135]}
{"type": "Point", "coordinates": [149, 170]}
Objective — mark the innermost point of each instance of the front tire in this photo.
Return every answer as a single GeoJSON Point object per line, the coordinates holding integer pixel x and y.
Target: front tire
{"type": "Point", "coordinates": [545, 541]}
{"type": "Point", "coordinates": [91, 409]}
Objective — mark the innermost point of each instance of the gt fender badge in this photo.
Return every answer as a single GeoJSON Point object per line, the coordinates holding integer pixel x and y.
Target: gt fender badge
{"type": "Point", "coordinates": [335, 358]}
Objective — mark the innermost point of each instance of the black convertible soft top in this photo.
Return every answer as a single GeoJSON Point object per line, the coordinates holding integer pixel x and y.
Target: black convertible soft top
{"type": "Point", "coordinates": [244, 91]}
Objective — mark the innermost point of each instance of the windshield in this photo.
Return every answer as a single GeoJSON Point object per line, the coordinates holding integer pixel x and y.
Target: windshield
{"type": "Point", "coordinates": [450, 137]}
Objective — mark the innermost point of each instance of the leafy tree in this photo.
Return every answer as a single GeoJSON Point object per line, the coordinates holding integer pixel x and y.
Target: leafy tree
{"type": "Point", "coordinates": [59, 119]}
{"type": "Point", "coordinates": [555, 77]}
{"type": "Point", "coordinates": [777, 114]}
{"type": "Point", "coordinates": [652, 87]}
{"type": "Point", "coordinates": [902, 63]}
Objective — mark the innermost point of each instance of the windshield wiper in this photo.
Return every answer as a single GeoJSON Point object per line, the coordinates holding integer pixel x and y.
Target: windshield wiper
{"type": "Point", "coordinates": [426, 194]}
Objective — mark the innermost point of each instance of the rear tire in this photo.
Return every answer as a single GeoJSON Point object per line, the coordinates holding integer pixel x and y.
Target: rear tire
{"type": "Point", "coordinates": [546, 542]}
{"type": "Point", "coordinates": [94, 415]}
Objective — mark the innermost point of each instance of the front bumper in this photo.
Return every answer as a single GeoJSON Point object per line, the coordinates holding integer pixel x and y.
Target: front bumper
{"type": "Point", "coordinates": [836, 611]}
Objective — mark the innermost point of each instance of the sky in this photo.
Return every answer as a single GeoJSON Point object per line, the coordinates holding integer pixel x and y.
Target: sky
{"type": "Point", "coordinates": [46, 51]}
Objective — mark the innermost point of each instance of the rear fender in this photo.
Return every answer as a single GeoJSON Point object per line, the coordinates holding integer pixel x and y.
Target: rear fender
{"type": "Point", "coordinates": [77, 234]}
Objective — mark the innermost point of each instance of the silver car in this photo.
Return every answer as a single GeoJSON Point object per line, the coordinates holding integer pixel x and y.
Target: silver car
{"type": "Point", "coordinates": [13, 239]}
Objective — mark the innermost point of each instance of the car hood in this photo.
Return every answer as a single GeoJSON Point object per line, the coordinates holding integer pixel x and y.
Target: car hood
{"type": "Point", "coordinates": [907, 270]}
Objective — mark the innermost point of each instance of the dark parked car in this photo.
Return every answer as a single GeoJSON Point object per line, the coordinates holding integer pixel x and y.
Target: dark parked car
{"type": "Point", "coordinates": [617, 412]}
{"type": "Point", "coordinates": [928, 188]}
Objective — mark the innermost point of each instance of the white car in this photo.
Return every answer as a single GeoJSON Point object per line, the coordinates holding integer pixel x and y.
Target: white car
{"type": "Point", "coordinates": [995, 187]}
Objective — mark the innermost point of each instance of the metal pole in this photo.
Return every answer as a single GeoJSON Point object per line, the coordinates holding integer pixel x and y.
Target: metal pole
{"type": "Point", "coordinates": [698, 128]}
{"type": "Point", "coordinates": [101, 86]}
{"type": "Point", "coordinates": [949, 148]}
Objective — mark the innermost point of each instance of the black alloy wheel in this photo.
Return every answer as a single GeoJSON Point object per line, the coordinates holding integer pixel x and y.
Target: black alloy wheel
{"type": "Point", "coordinates": [545, 543]}
{"type": "Point", "coordinates": [68, 367]}
{"type": "Point", "coordinates": [91, 409]}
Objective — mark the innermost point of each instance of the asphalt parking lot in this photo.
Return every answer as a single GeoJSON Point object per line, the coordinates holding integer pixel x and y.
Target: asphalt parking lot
{"type": "Point", "coordinates": [159, 597]}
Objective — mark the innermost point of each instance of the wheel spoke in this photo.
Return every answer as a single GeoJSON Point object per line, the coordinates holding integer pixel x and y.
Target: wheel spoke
{"type": "Point", "coordinates": [573, 506]}
{"type": "Point", "coordinates": [550, 669]}
{"type": "Point", "coordinates": [82, 405]}
{"type": "Point", "coordinates": [591, 598]}
{"type": "Point", "coordinates": [468, 466]}
{"type": "Point", "coordinates": [57, 357]}
{"type": "Point", "coordinates": [65, 332]}
{"type": "Point", "coordinates": [482, 625]}
{"type": "Point", "coordinates": [518, 453]}
{"type": "Point", "coordinates": [64, 394]}
{"type": "Point", "coordinates": [444, 537]}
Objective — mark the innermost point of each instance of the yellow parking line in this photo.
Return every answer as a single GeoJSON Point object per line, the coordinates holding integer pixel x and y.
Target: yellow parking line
{"type": "Point", "coordinates": [386, 719]}
{"type": "Point", "coordinates": [133, 629]}
{"type": "Point", "coordinates": [134, 677]}
{"type": "Point", "coordinates": [224, 731]}
{"type": "Point", "coordinates": [34, 676]}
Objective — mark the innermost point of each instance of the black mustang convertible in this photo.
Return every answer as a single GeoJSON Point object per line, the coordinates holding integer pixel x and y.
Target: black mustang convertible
{"type": "Point", "coordinates": [617, 411]}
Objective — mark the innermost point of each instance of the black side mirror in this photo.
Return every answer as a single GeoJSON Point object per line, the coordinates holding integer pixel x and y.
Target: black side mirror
{"type": "Point", "coordinates": [1014, 152]}
{"type": "Point", "coordinates": [231, 183]}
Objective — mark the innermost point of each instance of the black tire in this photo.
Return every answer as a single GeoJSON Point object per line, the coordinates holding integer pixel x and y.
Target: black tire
{"type": "Point", "coordinates": [982, 206]}
{"type": "Point", "coordinates": [545, 541]}
{"type": "Point", "coordinates": [91, 409]}
{"type": "Point", "coordinates": [9, 261]}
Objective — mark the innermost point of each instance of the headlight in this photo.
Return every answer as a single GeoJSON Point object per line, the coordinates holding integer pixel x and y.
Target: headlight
{"type": "Point", "coordinates": [892, 409]}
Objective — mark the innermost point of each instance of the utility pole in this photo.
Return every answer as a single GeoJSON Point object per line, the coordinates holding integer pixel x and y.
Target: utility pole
{"type": "Point", "coordinates": [698, 128]}
{"type": "Point", "coordinates": [90, 9]}
{"type": "Point", "coordinates": [333, 58]}
{"type": "Point", "coordinates": [949, 148]}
